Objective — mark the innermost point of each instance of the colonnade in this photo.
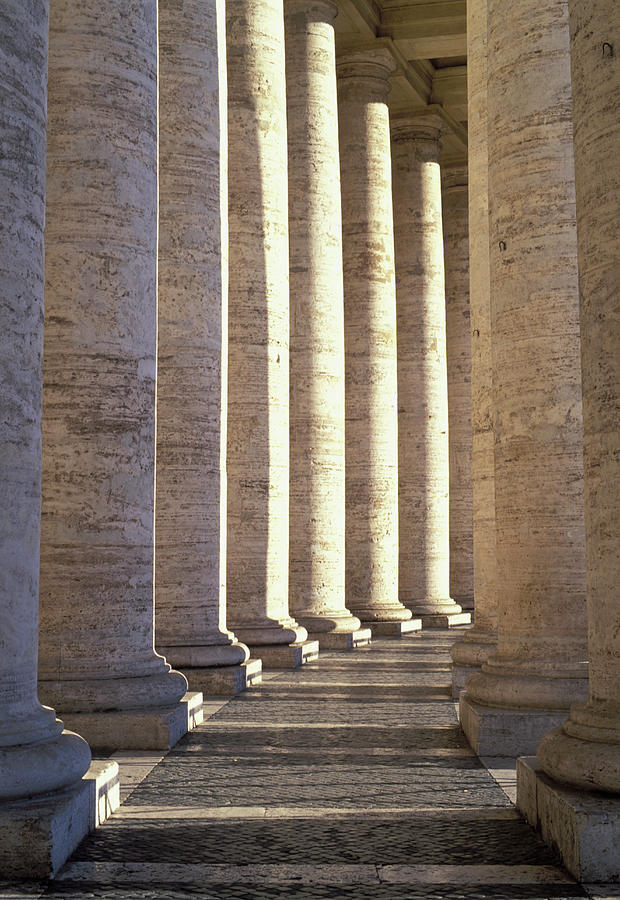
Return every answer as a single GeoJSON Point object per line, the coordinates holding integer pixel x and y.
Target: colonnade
{"type": "Point", "coordinates": [236, 445]}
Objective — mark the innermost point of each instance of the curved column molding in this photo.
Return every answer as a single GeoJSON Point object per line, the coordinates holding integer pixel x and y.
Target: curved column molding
{"type": "Point", "coordinates": [190, 525]}
{"type": "Point", "coordinates": [454, 217]}
{"type": "Point", "coordinates": [96, 644]}
{"type": "Point", "coordinates": [317, 482]}
{"type": "Point", "coordinates": [423, 473]}
{"type": "Point", "coordinates": [585, 752]}
{"type": "Point", "coordinates": [541, 660]}
{"type": "Point", "coordinates": [36, 755]}
{"type": "Point", "coordinates": [477, 644]}
{"type": "Point", "coordinates": [370, 338]}
{"type": "Point", "coordinates": [258, 374]}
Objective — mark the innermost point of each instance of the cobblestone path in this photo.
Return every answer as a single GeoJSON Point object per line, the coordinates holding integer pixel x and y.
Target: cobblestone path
{"type": "Point", "coordinates": [349, 778]}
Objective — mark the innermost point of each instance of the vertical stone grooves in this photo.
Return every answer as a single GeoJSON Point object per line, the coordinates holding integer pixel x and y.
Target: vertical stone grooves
{"type": "Point", "coordinates": [258, 376]}
{"type": "Point", "coordinates": [190, 558]}
{"type": "Point", "coordinates": [317, 482]}
{"type": "Point", "coordinates": [96, 642]}
{"type": "Point", "coordinates": [370, 338]}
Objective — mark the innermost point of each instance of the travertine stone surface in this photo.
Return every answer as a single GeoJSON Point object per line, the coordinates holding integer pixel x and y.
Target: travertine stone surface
{"type": "Point", "coordinates": [586, 751]}
{"type": "Point", "coordinates": [36, 755]}
{"type": "Point", "coordinates": [454, 215]}
{"type": "Point", "coordinates": [370, 338]}
{"type": "Point", "coordinates": [190, 524]}
{"type": "Point", "coordinates": [96, 639]}
{"type": "Point", "coordinates": [258, 375]}
{"type": "Point", "coordinates": [542, 651]}
{"type": "Point", "coordinates": [479, 642]}
{"type": "Point", "coordinates": [423, 475]}
{"type": "Point", "coordinates": [317, 503]}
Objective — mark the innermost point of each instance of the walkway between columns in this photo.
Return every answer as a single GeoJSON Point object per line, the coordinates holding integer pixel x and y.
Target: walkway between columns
{"type": "Point", "coordinates": [349, 778]}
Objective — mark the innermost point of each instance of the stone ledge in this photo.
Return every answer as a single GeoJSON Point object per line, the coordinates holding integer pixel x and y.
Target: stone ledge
{"type": "Point", "coordinates": [159, 728]}
{"type": "Point", "coordinates": [446, 620]}
{"type": "Point", "coordinates": [348, 640]}
{"type": "Point", "coordinates": [396, 629]}
{"type": "Point", "coordinates": [492, 731]}
{"type": "Point", "coordinates": [38, 835]}
{"type": "Point", "coordinates": [584, 826]}
{"type": "Point", "coordinates": [287, 656]}
{"type": "Point", "coordinates": [225, 681]}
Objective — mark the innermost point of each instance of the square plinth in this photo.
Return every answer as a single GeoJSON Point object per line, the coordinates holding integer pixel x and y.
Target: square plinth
{"type": "Point", "coordinates": [460, 674]}
{"type": "Point", "coordinates": [493, 731]}
{"type": "Point", "coordinates": [38, 835]}
{"type": "Point", "coordinates": [159, 728]}
{"type": "Point", "coordinates": [396, 629]}
{"type": "Point", "coordinates": [287, 656]}
{"type": "Point", "coordinates": [225, 681]}
{"type": "Point", "coordinates": [584, 826]}
{"type": "Point", "coordinates": [446, 620]}
{"type": "Point", "coordinates": [349, 640]}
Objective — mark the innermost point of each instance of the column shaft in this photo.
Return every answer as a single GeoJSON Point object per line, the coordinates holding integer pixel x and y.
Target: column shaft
{"type": "Point", "coordinates": [370, 339]}
{"type": "Point", "coordinates": [258, 376]}
{"type": "Point", "coordinates": [423, 473]}
{"type": "Point", "coordinates": [96, 648]}
{"type": "Point", "coordinates": [541, 659]}
{"type": "Point", "coordinates": [454, 217]}
{"type": "Point", "coordinates": [586, 751]}
{"type": "Point", "coordinates": [317, 482]}
{"type": "Point", "coordinates": [190, 528]}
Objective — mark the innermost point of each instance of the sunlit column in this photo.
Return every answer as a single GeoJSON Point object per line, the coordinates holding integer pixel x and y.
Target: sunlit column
{"type": "Point", "coordinates": [458, 355]}
{"type": "Point", "coordinates": [586, 751]}
{"type": "Point", "coordinates": [36, 755]}
{"type": "Point", "coordinates": [370, 341]}
{"type": "Point", "coordinates": [258, 375]}
{"type": "Point", "coordinates": [97, 662]}
{"type": "Point", "coordinates": [540, 666]}
{"type": "Point", "coordinates": [480, 641]}
{"type": "Point", "coordinates": [317, 485]}
{"type": "Point", "coordinates": [423, 473]}
{"type": "Point", "coordinates": [190, 524]}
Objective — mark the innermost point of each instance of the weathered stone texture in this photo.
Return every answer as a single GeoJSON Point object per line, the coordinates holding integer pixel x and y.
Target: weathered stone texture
{"type": "Point", "coordinates": [190, 527]}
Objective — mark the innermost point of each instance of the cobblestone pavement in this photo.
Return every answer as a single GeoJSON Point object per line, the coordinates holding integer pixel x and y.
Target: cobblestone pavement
{"type": "Point", "coordinates": [349, 778]}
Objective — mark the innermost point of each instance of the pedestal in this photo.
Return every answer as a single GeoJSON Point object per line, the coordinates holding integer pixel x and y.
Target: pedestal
{"type": "Point", "coordinates": [584, 826]}
{"type": "Point", "coordinates": [396, 629]}
{"type": "Point", "coordinates": [225, 681]}
{"type": "Point", "coordinates": [460, 674]}
{"type": "Point", "coordinates": [343, 640]}
{"type": "Point", "coordinates": [158, 728]}
{"type": "Point", "coordinates": [287, 656]}
{"type": "Point", "coordinates": [446, 620]}
{"type": "Point", "coordinates": [492, 731]}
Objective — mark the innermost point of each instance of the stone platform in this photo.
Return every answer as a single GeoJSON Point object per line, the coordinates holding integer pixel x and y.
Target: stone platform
{"type": "Point", "coordinates": [225, 681]}
{"type": "Point", "coordinates": [396, 629]}
{"type": "Point", "coordinates": [493, 731]}
{"type": "Point", "coordinates": [349, 640]}
{"type": "Point", "coordinates": [286, 656]}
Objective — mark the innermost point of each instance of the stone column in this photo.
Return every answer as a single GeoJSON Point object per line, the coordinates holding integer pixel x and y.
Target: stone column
{"type": "Point", "coordinates": [190, 525]}
{"type": "Point", "coordinates": [458, 355]}
{"type": "Point", "coordinates": [479, 642]}
{"type": "Point", "coordinates": [258, 374]}
{"type": "Point", "coordinates": [97, 662]}
{"type": "Point", "coordinates": [586, 751]}
{"type": "Point", "coordinates": [370, 343]}
{"type": "Point", "coordinates": [317, 481]}
{"type": "Point", "coordinates": [423, 475]}
{"type": "Point", "coordinates": [36, 755]}
{"type": "Point", "coordinates": [540, 666]}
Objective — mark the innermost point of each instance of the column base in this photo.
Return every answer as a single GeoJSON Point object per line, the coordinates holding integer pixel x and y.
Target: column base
{"type": "Point", "coordinates": [460, 674]}
{"type": "Point", "coordinates": [158, 728]}
{"type": "Point", "coordinates": [343, 640]}
{"type": "Point", "coordinates": [395, 629]}
{"type": "Point", "coordinates": [492, 731]}
{"type": "Point", "coordinates": [445, 620]}
{"type": "Point", "coordinates": [584, 826]}
{"type": "Point", "coordinates": [38, 835]}
{"type": "Point", "coordinates": [286, 656]}
{"type": "Point", "coordinates": [225, 681]}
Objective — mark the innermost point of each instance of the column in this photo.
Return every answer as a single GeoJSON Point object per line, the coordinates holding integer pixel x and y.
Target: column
{"type": "Point", "coordinates": [317, 479]}
{"type": "Point", "coordinates": [458, 357]}
{"type": "Point", "coordinates": [541, 662]}
{"type": "Point", "coordinates": [477, 644]}
{"type": "Point", "coordinates": [97, 662]}
{"type": "Point", "coordinates": [370, 343]}
{"type": "Point", "coordinates": [423, 474]}
{"type": "Point", "coordinates": [190, 524]}
{"type": "Point", "coordinates": [258, 356]}
{"type": "Point", "coordinates": [36, 755]}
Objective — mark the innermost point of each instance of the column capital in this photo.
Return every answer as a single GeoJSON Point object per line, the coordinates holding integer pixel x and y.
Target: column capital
{"type": "Point", "coordinates": [369, 65]}
{"type": "Point", "coordinates": [317, 10]}
{"type": "Point", "coordinates": [424, 123]}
